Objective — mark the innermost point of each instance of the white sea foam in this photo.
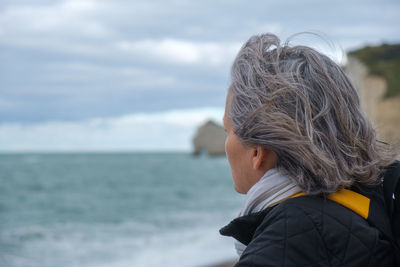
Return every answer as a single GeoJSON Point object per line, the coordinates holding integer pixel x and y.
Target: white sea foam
{"type": "Point", "coordinates": [194, 247]}
{"type": "Point", "coordinates": [118, 246]}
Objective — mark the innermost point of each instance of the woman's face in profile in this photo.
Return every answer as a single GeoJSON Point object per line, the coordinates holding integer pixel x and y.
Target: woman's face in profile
{"type": "Point", "coordinates": [239, 156]}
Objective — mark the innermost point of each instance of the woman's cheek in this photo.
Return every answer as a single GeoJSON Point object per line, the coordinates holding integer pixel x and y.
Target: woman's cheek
{"type": "Point", "coordinates": [226, 146]}
{"type": "Point", "coordinates": [228, 151]}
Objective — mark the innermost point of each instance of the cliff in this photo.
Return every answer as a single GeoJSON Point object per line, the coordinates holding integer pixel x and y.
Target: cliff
{"type": "Point", "coordinates": [383, 61]}
{"type": "Point", "coordinates": [375, 71]}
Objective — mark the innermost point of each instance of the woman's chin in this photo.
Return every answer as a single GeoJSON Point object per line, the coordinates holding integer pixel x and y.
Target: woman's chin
{"type": "Point", "coordinates": [239, 190]}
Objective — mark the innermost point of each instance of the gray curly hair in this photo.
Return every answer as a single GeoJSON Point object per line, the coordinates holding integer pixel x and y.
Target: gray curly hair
{"type": "Point", "coordinates": [301, 105]}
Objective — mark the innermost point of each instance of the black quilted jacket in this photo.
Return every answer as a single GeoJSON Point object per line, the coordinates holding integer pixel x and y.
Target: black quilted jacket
{"type": "Point", "coordinates": [309, 231]}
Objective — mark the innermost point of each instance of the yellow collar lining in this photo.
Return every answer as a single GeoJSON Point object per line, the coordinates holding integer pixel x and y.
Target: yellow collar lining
{"type": "Point", "coordinates": [349, 199]}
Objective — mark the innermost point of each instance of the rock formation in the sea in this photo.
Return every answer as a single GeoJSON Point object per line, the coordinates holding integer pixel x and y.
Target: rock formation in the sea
{"type": "Point", "coordinates": [210, 138]}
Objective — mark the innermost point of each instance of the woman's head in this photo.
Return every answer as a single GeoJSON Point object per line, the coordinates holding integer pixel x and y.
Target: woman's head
{"type": "Point", "coordinates": [248, 162]}
{"type": "Point", "coordinates": [299, 104]}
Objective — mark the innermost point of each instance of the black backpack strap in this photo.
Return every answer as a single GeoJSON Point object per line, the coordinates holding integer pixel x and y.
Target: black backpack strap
{"type": "Point", "coordinates": [391, 190]}
{"type": "Point", "coordinates": [390, 184]}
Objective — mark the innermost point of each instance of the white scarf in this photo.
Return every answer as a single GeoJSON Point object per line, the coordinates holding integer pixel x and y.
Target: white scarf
{"type": "Point", "coordinates": [271, 189]}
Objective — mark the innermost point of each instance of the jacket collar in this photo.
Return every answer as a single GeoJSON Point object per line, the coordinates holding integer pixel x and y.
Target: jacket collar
{"type": "Point", "coordinates": [244, 227]}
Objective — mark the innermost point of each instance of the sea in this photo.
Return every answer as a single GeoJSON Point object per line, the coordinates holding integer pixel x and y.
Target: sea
{"type": "Point", "coordinates": [115, 210]}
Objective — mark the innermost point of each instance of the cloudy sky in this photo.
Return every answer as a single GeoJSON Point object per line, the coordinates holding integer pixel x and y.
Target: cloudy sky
{"type": "Point", "coordinates": [141, 75]}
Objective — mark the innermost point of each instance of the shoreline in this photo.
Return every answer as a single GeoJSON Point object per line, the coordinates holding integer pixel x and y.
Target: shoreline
{"type": "Point", "coordinates": [229, 263]}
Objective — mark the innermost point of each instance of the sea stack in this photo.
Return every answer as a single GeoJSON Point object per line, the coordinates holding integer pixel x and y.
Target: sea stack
{"type": "Point", "coordinates": [210, 139]}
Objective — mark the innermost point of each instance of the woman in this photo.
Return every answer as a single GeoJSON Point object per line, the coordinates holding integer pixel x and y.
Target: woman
{"type": "Point", "coordinates": [295, 125]}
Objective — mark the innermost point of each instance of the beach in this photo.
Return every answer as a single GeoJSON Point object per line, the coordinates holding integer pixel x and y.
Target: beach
{"type": "Point", "coordinates": [223, 264]}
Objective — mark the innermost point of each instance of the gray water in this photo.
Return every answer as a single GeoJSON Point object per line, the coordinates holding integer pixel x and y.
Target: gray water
{"type": "Point", "coordinates": [114, 210]}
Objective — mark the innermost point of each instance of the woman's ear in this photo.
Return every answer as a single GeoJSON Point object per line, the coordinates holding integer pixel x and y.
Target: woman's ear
{"type": "Point", "coordinates": [263, 158]}
{"type": "Point", "coordinates": [258, 157]}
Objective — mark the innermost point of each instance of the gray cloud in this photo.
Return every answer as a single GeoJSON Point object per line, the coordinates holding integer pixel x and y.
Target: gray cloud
{"type": "Point", "coordinates": [73, 60]}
